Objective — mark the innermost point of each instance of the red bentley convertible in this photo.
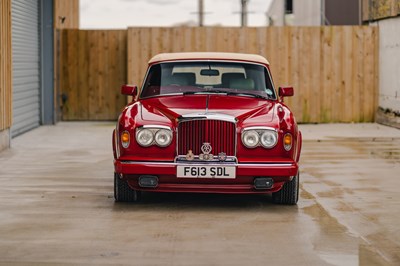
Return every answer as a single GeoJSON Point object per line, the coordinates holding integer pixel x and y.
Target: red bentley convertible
{"type": "Point", "coordinates": [207, 122]}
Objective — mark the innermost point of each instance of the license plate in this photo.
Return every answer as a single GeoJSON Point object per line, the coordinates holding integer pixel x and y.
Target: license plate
{"type": "Point", "coordinates": [205, 171]}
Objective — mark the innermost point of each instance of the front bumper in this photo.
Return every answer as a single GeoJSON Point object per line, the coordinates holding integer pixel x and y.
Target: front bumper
{"type": "Point", "coordinates": [242, 183]}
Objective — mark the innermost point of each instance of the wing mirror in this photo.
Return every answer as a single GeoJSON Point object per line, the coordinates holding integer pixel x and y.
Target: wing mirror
{"type": "Point", "coordinates": [129, 90]}
{"type": "Point", "coordinates": [285, 91]}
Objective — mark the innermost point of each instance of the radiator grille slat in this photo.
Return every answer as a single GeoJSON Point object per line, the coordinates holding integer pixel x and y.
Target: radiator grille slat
{"type": "Point", "coordinates": [220, 134]}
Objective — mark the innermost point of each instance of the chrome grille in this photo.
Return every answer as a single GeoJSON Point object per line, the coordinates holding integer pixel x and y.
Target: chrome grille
{"type": "Point", "coordinates": [220, 134]}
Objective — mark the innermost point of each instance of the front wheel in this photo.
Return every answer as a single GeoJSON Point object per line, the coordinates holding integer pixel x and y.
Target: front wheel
{"type": "Point", "coordinates": [123, 192]}
{"type": "Point", "coordinates": [289, 194]}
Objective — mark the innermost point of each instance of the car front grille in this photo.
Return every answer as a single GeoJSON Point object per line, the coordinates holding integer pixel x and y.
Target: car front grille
{"type": "Point", "coordinates": [220, 134]}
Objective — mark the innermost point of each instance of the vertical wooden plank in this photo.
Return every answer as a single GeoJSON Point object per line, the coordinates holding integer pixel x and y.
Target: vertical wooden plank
{"type": "Point", "coordinates": [304, 70]}
{"type": "Point", "coordinates": [356, 66]}
{"type": "Point", "coordinates": [327, 72]}
{"type": "Point", "coordinates": [70, 70]}
{"type": "Point", "coordinates": [283, 36]}
{"type": "Point", "coordinates": [261, 41]}
{"type": "Point", "coordinates": [270, 53]}
{"type": "Point", "coordinates": [315, 86]}
{"type": "Point", "coordinates": [121, 70]}
{"type": "Point", "coordinates": [218, 34]}
{"type": "Point", "coordinates": [294, 69]}
{"type": "Point", "coordinates": [102, 70]}
{"type": "Point", "coordinates": [155, 43]}
{"type": "Point", "coordinates": [337, 86]}
{"type": "Point", "coordinates": [83, 76]}
{"type": "Point", "coordinates": [133, 55]}
{"type": "Point", "coordinates": [347, 96]}
{"type": "Point", "coordinates": [111, 75]}
{"type": "Point", "coordinates": [234, 36]}
{"type": "Point", "coordinates": [251, 36]}
{"type": "Point", "coordinates": [5, 66]}
{"type": "Point", "coordinates": [93, 89]}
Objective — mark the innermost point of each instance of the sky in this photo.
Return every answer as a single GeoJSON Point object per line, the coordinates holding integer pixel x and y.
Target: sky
{"type": "Point", "coordinates": [120, 14]}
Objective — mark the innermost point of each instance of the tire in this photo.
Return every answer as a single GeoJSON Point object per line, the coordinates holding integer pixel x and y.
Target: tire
{"type": "Point", "coordinates": [123, 192]}
{"type": "Point", "coordinates": [289, 194]}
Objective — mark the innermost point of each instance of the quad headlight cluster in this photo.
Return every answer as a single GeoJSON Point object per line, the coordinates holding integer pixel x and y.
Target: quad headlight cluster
{"type": "Point", "coordinates": [146, 137]}
{"type": "Point", "coordinates": [252, 138]}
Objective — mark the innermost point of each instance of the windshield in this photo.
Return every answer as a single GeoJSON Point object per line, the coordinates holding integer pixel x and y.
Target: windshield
{"type": "Point", "coordinates": [232, 78]}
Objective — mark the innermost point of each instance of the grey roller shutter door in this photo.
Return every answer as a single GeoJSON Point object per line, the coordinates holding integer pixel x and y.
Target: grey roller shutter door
{"type": "Point", "coordinates": [26, 65]}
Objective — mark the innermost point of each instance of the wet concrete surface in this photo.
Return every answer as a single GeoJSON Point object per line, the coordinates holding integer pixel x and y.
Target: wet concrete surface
{"type": "Point", "coordinates": [57, 206]}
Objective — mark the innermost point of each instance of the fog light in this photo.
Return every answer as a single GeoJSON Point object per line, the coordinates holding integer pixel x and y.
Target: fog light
{"type": "Point", "coordinates": [148, 181]}
{"type": "Point", "coordinates": [263, 182]}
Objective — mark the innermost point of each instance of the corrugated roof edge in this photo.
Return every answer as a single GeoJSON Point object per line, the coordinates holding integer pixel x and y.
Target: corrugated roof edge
{"type": "Point", "coordinates": [208, 55]}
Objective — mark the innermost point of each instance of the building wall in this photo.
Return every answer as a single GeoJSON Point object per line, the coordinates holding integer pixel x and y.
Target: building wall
{"type": "Point", "coordinates": [389, 72]}
{"type": "Point", "coordinates": [62, 8]}
{"type": "Point", "coordinates": [379, 9]}
{"type": "Point", "coordinates": [343, 12]}
{"type": "Point", "coordinates": [307, 13]}
{"type": "Point", "coordinates": [276, 13]}
{"type": "Point", "coordinates": [26, 54]}
{"type": "Point", "coordinates": [5, 74]}
{"type": "Point", "coordinates": [386, 14]}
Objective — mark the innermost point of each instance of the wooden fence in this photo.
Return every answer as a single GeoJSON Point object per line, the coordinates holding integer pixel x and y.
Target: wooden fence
{"type": "Point", "coordinates": [92, 68]}
{"type": "Point", "coordinates": [334, 69]}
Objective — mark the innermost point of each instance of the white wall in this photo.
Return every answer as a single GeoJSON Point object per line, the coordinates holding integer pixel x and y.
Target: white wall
{"type": "Point", "coordinates": [307, 12]}
{"type": "Point", "coordinates": [389, 61]}
{"type": "Point", "coordinates": [276, 12]}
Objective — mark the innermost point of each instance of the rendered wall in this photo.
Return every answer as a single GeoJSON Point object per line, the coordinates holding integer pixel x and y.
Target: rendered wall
{"type": "Point", "coordinates": [275, 13]}
{"type": "Point", "coordinates": [307, 13]}
{"type": "Point", "coordinates": [389, 72]}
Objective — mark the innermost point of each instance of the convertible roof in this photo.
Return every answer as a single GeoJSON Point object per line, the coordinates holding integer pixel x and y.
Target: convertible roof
{"type": "Point", "coordinates": [208, 56]}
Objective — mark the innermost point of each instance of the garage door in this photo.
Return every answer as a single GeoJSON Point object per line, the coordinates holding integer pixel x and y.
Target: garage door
{"type": "Point", "coordinates": [26, 65]}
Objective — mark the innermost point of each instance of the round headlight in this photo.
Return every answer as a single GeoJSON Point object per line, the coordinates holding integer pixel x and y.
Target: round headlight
{"type": "Point", "coordinates": [269, 139]}
{"type": "Point", "coordinates": [163, 137]}
{"type": "Point", "coordinates": [250, 139]}
{"type": "Point", "coordinates": [144, 137]}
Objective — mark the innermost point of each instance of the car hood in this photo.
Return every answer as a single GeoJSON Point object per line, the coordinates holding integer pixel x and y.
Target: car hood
{"type": "Point", "coordinates": [167, 109]}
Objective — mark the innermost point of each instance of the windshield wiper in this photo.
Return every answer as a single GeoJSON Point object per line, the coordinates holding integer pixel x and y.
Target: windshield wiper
{"type": "Point", "coordinates": [230, 93]}
{"type": "Point", "coordinates": [248, 94]}
{"type": "Point", "coordinates": [204, 92]}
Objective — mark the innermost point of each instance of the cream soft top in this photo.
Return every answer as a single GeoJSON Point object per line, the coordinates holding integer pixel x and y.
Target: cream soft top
{"type": "Point", "coordinates": [207, 56]}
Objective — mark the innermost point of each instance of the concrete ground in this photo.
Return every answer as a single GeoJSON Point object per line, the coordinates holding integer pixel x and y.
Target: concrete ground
{"type": "Point", "coordinates": [57, 206]}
